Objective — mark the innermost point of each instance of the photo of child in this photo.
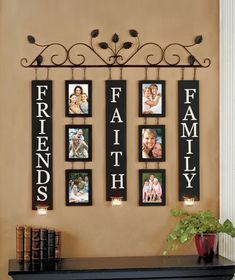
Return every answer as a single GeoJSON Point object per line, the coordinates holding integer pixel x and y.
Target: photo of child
{"type": "Point", "coordinates": [152, 187]}
{"type": "Point", "coordinates": [152, 98]}
{"type": "Point", "coordinates": [78, 187]}
{"type": "Point", "coordinates": [78, 98]}
{"type": "Point", "coordinates": [78, 142]}
{"type": "Point", "coordinates": [151, 143]}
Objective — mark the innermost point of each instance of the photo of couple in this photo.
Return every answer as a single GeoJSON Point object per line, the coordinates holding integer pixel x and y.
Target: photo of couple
{"type": "Point", "coordinates": [78, 187]}
{"type": "Point", "coordinates": [151, 143]}
{"type": "Point", "coordinates": [78, 100]}
{"type": "Point", "coordinates": [78, 142]}
{"type": "Point", "coordinates": [152, 187]}
{"type": "Point", "coordinates": [152, 98]}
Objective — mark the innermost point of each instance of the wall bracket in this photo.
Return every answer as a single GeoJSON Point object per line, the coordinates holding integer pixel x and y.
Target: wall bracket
{"type": "Point", "coordinates": [115, 54]}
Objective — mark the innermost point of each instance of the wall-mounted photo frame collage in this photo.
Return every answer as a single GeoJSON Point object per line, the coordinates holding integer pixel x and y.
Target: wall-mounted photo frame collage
{"type": "Point", "coordinates": [78, 142]}
{"type": "Point", "coordinates": [152, 104]}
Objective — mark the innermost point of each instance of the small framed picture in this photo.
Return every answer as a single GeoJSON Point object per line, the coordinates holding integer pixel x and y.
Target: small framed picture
{"type": "Point", "coordinates": [78, 141]}
{"type": "Point", "coordinates": [152, 98]}
{"type": "Point", "coordinates": [78, 98]}
{"type": "Point", "coordinates": [151, 143]}
{"type": "Point", "coordinates": [152, 187]}
{"type": "Point", "coordinates": [78, 187]}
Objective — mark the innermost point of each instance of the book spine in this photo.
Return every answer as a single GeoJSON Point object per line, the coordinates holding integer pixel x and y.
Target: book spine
{"type": "Point", "coordinates": [51, 245]}
{"type": "Point", "coordinates": [20, 243]}
{"type": "Point", "coordinates": [43, 244]}
{"type": "Point", "coordinates": [27, 243]}
{"type": "Point", "coordinates": [57, 245]}
{"type": "Point", "coordinates": [35, 244]}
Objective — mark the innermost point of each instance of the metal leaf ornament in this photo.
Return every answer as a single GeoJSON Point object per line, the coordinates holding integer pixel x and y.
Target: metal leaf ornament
{"type": "Point", "coordinates": [115, 38]}
{"type": "Point", "coordinates": [39, 60]}
{"type": "Point", "coordinates": [198, 39]}
{"type": "Point", "coordinates": [31, 39]}
{"type": "Point", "coordinates": [127, 45]}
{"type": "Point", "coordinates": [103, 45]}
{"type": "Point", "coordinates": [94, 33]}
{"type": "Point", "coordinates": [133, 33]}
{"type": "Point", "coordinates": [191, 60]}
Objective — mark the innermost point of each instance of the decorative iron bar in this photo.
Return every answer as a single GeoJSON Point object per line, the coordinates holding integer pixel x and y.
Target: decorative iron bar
{"type": "Point", "coordinates": [162, 56]}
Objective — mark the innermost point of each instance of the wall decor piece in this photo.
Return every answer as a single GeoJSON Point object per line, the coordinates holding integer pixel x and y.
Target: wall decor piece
{"type": "Point", "coordinates": [78, 187]}
{"type": "Point", "coordinates": [152, 187]}
{"type": "Point", "coordinates": [188, 100]}
{"type": "Point", "coordinates": [78, 141]}
{"type": "Point", "coordinates": [41, 144]}
{"type": "Point", "coordinates": [152, 98]}
{"type": "Point", "coordinates": [116, 53]}
{"type": "Point", "coordinates": [151, 143]}
{"type": "Point", "coordinates": [116, 139]}
{"type": "Point", "coordinates": [78, 98]}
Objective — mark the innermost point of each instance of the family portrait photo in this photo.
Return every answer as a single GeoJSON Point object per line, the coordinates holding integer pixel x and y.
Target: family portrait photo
{"type": "Point", "coordinates": [78, 98]}
{"type": "Point", "coordinates": [78, 143]}
{"type": "Point", "coordinates": [152, 187]}
{"type": "Point", "coordinates": [78, 187]}
{"type": "Point", "coordinates": [151, 98]}
{"type": "Point", "coordinates": [151, 143]}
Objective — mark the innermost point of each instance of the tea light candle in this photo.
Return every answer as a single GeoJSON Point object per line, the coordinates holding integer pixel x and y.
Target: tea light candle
{"type": "Point", "coordinates": [189, 201]}
{"type": "Point", "coordinates": [42, 210]}
{"type": "Point", "coordinates": [116, 201]}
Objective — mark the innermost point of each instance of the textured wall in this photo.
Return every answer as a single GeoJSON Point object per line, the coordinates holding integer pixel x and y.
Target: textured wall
{"type": "Point", "coordinates": [101, 230]}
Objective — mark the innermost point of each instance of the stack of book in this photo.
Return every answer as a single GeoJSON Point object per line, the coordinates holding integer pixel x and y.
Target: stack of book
{"type": "Point", "coordinates": [37, 244]}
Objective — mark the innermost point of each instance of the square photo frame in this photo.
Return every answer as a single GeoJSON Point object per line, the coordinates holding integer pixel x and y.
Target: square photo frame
{"type": "Point", "coordinates": [78, 101]}
{"type": "Point", "coordinates": [152, 98]}
{"type": "Point", "coordinates": [152, 187]}
{"type": "Point", "coordinates": [78, 143]}
{"type": "Point", "coordinates": [78, 187]}
{"type": "Point", "coordinates": [151, 143]}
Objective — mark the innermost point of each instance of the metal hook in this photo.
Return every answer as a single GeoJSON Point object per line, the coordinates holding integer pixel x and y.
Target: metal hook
{"type": "Point", "coordinates": [194, 73]}
{"type": "Point", "coordinates": [157, 121]}
{"type": "Point", "coordinates": [84, 165]}
{"type": "Point", "coordinates": [145, 121]}
{"type": "Point", "coordinates": [84, 73]}
{"type": "Point", "coordinates": [36, 74]}
{"type": "Point", "coordinates": [48, 70]}
{"type": "Point", "coordinates": [182, 78]}
{"type": "Point", "coordinates": [84, 120]}
{"type": "Point", "coordinates": [146, 165]}
{"type": "Point", "coordinates": [72, 73]}
{"type": "Point", "coordinates": [146, 73]}
{"type": "Point", "coordinates": [72, 165]}
{"type": "Point", "coordinates": [72, 120]}
{"type": "Point", "coordinates": [158, 165]}
{"type": "Point", "coordinates": [110, 74]}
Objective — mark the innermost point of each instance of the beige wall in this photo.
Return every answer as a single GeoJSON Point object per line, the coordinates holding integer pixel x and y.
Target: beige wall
{"type": "Point", "coordinates": [101, 230]}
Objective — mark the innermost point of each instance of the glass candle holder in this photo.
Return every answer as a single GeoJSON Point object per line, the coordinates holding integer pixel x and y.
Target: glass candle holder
{"type": "Point", "coordinates": [116, 201]}
{"type": "Point", "coordinates": [189, 201]}
{"type": "Point", "coordinates": [42, 210]}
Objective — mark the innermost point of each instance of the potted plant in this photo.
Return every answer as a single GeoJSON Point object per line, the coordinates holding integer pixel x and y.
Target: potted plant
{"type": "Point", "coordinates": [202, 226]}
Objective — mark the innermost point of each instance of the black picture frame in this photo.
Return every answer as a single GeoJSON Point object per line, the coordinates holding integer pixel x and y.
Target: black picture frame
{"type": "Point", "coordinates": [78, 187]}
{"type": "Point", "coordinates": [157, 153]}
{"type": "Point", "coordinates": [80, 108]}
{"type": "Point", "coordinates": [73, 131]}
{"type": "Point", "coordinates": [157, 110]}
{"type": "Point", "coordinates": [152, 187]}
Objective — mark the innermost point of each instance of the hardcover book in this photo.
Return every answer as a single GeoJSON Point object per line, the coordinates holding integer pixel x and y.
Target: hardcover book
{"type": "Point", "coordinates": [20, 243]}
{"type": "Point", "coordinates": [27, 243]}
{"type": "Point", "coordinates": [35, 244]}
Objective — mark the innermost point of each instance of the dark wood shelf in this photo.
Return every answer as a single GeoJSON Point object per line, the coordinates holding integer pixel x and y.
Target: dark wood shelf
{"type": "Point", "coordinates": [160, 267]}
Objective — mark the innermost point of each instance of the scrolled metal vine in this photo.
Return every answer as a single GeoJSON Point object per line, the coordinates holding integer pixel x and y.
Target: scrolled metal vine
{"type": "Point", "coordinates": [116, 53]}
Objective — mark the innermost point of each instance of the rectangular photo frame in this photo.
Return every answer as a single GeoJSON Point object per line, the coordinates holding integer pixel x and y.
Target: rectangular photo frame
{"type": "Point", "coordinates": [78, 187]}
{"type": "Point", "coordinates": [78, 98]}
{"type": "Point", "coordinates": [151, 143]}
{"type": "Point", "coordinates": [78, 142]}
{"type": "Point", "coordinates": [152, 187]}
{"type": "Point", "coordinates": [152, 98]}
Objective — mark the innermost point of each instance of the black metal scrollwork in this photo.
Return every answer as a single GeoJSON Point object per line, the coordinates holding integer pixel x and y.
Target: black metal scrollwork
{"type": "Point", "coordinates": [115, 53]}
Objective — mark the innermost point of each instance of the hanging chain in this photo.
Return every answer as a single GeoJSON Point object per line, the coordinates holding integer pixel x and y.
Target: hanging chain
{"type": "Point", "coordinates": [84, 73]}
{"type": "Point", "coordinates": [182, 77]}
{"type": "Point", "coordinates": [72, 71]}
{"type": "Point", "coordinates": [194, 73]}
{"type": "Point", "coordinates": [48, 70]}
{"type": "Point", "coordinates": [158, 73]}
{"type": "Point", "coordinates": [36, 74]}
{"type": "Point", "coordinates": [146, 73]}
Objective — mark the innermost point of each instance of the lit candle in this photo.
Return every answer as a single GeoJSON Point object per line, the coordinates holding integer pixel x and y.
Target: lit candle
{"type": "Point", "coordinates": [188, 201]}
{"type": "Point", "coordinates": [116, 201]}
{"type": "Point", "coordinates": [42, 210]}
